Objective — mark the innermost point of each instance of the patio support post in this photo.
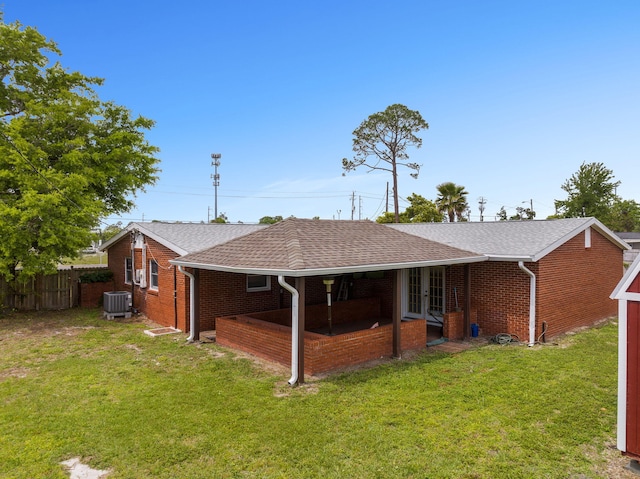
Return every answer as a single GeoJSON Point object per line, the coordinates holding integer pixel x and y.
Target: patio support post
{"type": "Point", "coordinates": [467, 301]}
{"type": "Point", "coordinates": [397, 313]}
{"type": "Point", "coordinates": [300, 286]}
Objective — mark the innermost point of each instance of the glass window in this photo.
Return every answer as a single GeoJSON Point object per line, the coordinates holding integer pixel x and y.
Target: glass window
{"type": "Point", "coordinates": [128, 271]}
{"type": "Point", "coordinates": [414, 291]}
{"type": "Point", "coordinates": [258, 282]}
{"type": "Point", "coordinates": [153, 274]}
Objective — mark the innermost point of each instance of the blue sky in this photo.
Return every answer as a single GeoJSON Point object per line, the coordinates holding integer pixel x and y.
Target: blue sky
{"type": "Point", "coordinates": [517, 95]}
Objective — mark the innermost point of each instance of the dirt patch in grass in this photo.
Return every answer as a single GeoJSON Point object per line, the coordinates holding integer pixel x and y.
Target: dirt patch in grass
{"type": "Point", "coordinates": [14, 373]}
{"type": "Point", "coordinates": [614, 464]}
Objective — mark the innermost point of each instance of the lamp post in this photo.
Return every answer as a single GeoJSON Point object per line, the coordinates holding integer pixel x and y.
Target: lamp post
{"type": "Point", "coordinates": [328, 282]}
{"type": "Point", "coordinates": [215, 162]}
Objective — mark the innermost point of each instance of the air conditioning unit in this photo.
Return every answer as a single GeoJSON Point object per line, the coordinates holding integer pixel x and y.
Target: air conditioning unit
{"type": "Point", "coordinates": [117, 302]}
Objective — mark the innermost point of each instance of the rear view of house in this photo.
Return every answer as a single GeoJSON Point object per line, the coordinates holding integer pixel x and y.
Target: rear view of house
{"type": "Point", "coordinates": [366, 290]}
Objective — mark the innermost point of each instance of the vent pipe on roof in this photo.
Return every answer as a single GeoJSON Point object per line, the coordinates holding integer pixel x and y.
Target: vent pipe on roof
{"type": "Point", "coordinates": [532, 303]}
{"type": "Point", "coordinates": [294, 328]}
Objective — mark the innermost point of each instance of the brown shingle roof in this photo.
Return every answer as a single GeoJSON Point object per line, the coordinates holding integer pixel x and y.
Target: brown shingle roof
{"type": "Point", "coordinates": [306, 246]}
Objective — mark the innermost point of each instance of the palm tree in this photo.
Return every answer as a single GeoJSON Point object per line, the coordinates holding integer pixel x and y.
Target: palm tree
{"type": "Point", "coordinates": [452, 200]}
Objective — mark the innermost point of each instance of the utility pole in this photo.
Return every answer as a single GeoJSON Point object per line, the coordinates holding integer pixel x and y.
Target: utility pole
{"type": "Point", "coordinates": [359, 207]}
{"type": "Point", "coordinates": [353, 204]}
{"type": "Point", "coordinates": [215, 162]}
{"type": "Point", "coordinates": [386, 210]}
{"type": "Point", "coordinates": [481, 202]}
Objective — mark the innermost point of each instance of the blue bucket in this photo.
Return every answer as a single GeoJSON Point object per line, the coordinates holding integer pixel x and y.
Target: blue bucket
{"type": "Point", "coordinates": [474, 330]}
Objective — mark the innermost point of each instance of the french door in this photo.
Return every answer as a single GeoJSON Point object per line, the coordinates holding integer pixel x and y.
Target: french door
{"type": "Point", "coordinates": [424, 293]}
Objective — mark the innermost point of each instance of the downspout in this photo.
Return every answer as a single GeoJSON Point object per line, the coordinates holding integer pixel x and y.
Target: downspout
{"type": "Point", "coordinates": [294, 329]}
{"type": "Point", "coordinates": [532, 303]}
{"type": "Point", "coordinates": [133, 273]}
{"type": "Point", "coordinates": [192, 303]}
{"type": "Point", "coordinates": [175, 298]}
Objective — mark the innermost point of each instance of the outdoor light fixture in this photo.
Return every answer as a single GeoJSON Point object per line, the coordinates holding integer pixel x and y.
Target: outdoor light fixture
{"type": "Point", "coordinates": [328, 282]}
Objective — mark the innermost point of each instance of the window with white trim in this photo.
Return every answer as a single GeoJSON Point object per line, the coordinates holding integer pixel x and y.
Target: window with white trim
{"type": "Point", "coordinates": [128, 271]}
{"type": "Point", "coordinates": [153, 274]}
{"type": "Point", "coordinates": [258, 282]}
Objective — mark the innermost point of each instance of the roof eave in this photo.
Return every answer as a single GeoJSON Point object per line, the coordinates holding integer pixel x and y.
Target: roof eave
{"type": "Point", "coordinates": [327, 271]}
{"type": "Point", "coordinates": [148, 233]}
{"type": "Point", "coordinates": [510, 258]}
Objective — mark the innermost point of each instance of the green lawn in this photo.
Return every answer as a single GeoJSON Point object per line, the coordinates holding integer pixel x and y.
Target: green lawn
{"type": "Point", "coordinates": [88, 258]}
{"type": "Point", "coordinates": [72, 384]}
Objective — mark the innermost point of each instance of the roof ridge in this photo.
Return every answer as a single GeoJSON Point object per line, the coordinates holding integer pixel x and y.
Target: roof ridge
{"type": "Point", "coordinates": [295, 258]}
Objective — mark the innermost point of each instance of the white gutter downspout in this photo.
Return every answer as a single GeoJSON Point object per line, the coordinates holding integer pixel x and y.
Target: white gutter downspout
{"type": "Point", "coordinates": [294, 328]}
{"type": "Point", "coordinates": [192, 302]}
{"type": "Point", "coordinates": [532, 303]}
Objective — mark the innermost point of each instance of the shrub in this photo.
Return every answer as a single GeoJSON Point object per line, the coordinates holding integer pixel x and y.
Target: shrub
{"type": "Point", "coordinates": [101, 276]}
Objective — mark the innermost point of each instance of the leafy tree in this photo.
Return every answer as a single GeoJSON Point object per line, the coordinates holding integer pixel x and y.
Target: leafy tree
{"type": "Point", "coordinates": [502, 214]}
{"type": "Point", "coordinates": [420, 210]}
{"type": "Point", "coordinates": [110, 231]}
{"type": "Point", "coordinates": [222, 219]}
{"type": "Point", "coordinates": [269, 220]}
{"type": "Point", "coordinates": [384, 137]}
{"type": "Point", "coordinates": [452, 200]}
{"type": "Point", "coordinates": [66, 157]}
{"type": "Point", "coordinates": [390, 217]}
{"type": "Point", "coordinates": [624, 216]}
{"type": "Point", "coordinates": [523, 214]}
{"type": "Point", "coordinates": [591, 192]}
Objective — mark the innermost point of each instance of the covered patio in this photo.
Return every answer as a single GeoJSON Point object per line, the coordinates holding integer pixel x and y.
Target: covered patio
{"type": "Point", "coordinates": [358, 334]}
{"type": "Point", "coordinates": [300, 252]}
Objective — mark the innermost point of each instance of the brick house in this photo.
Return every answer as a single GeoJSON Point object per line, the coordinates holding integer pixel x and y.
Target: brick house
{"type": "Point", "coordinates": [328, 294]}
{"type": "Point", "coordinates": [542, 278]}
{"type": "Point", "coordinates": [627, 292]}
{"type": "Point", "coordinates": [139, 258]}
{"type": "Point", "coordinates": [531, 279]}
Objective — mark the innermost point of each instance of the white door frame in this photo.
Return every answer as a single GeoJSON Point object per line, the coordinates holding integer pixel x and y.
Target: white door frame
{"type": "Point", "coordinates": [419, 308]}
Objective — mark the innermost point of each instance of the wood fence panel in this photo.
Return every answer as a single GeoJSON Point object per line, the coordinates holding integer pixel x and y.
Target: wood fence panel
{"type": "Point", "coordinates": [54, 291]}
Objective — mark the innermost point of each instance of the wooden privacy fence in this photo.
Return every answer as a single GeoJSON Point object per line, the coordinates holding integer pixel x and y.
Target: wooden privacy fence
{"type": "Point", "coordinates": [54, 291]}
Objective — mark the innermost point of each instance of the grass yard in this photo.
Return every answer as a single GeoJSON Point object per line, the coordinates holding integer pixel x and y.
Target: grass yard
{"type": "Point", "coordinates": [88, 258]}
{"type": "Point", "coordinates": [74, 385]}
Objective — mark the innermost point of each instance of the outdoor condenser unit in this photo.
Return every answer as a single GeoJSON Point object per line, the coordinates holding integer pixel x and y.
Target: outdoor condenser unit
{"type": "Point", "coordinates": [117, 302]}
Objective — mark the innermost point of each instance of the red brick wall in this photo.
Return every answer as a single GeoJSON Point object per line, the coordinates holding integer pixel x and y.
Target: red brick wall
{"type": "Point", "coordinates": [360, 286]}
{"type": "Point", "coordinates": [322, 353]}
{"type": "Point", "coordinates": [316, 314]}
{"type": "Point", "coordinates": [156, 305]}
{"type": "Point", "coordinates": [91, 293]}
{"type": "Point", "coordinates": [224, 294]}
{"type": "Point", "coordinates": [454, 285]}
{"type": "Point", "coordinates": [575, 284]}
{"type": "Point", "coordinates": [500, 295]}
{"type": "Point", "coordinates": [453, 327]}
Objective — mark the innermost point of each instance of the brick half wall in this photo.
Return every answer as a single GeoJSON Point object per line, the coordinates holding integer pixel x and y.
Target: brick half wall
{"type": "Point", "coordinates": [272, 342]}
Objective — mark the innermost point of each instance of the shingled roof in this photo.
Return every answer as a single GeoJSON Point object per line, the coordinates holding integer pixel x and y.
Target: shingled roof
{"type": "Point", "coordinates": [508, 240]}
{"type": "Point", "coordinates": [302, 247]}
{"type": "Point", "coordinates": [184, 238]}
